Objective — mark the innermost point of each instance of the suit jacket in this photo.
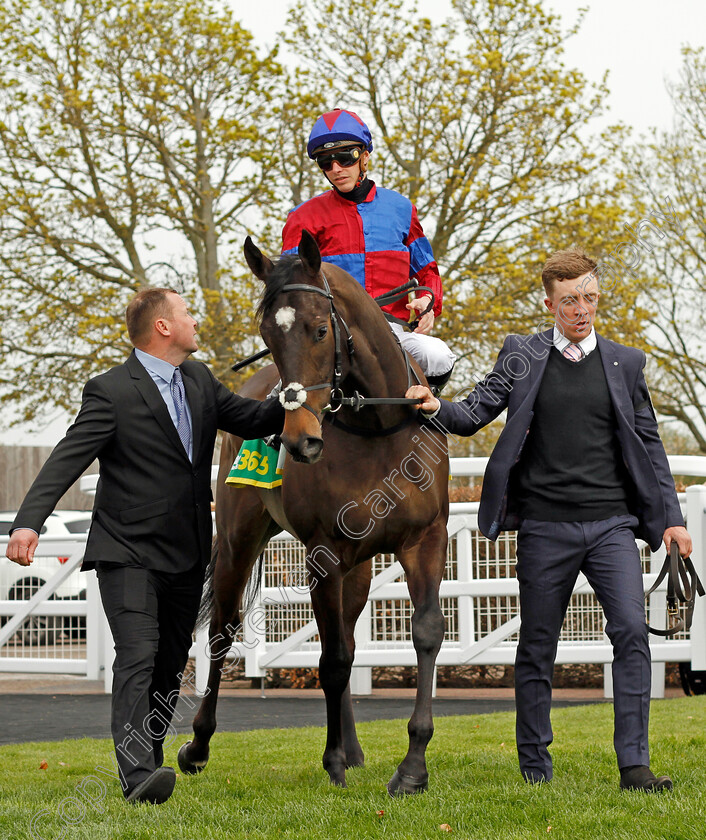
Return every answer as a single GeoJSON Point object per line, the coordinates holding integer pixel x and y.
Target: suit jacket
{"type": "Point", "coordinates": [152, 505]}
{"type": "Point", "coordinates": [514, 383]}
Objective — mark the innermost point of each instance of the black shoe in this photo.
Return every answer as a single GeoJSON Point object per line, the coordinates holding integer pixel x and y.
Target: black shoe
{"type": "Point", "coordinates": [640, 777]}
{"type": "Point", "coordinates": [535, 777]}
{"type": "Point", "coordinates": [156, 788]}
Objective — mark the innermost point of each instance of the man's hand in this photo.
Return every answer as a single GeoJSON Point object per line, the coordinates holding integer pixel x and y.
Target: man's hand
{"type": "Point", "coordinates": [681, 536]}
{"type": "Point", "coordinates": [426, 322]}
{"type": "Point", "coordinates": [430, 403]}
{"type": "Point", "coordinates": [22, 545]}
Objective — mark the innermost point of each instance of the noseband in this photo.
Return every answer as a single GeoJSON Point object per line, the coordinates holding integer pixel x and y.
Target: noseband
{"type": "Point", "coordinates": [294, 395]}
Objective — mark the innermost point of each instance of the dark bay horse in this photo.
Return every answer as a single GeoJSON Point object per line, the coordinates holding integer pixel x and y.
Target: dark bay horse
{"type": "Point", "coordinates": [355, 484]}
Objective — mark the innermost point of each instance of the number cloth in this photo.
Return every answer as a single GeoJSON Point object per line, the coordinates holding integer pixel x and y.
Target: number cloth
{"type": "Point", "coordinates": [256, 465]}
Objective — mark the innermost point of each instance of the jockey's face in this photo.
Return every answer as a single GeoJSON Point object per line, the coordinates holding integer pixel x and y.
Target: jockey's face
{"type": "Point", "coordinates": [573, 304]}
{"type": "Point", "coordinates": [344, 178]}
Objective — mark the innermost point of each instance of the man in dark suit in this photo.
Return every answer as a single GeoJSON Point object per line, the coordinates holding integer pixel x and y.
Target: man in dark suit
{"type": "Point", "coordinates": [579, 470]}
{"type": "Point", "coordinates": [152, 424]}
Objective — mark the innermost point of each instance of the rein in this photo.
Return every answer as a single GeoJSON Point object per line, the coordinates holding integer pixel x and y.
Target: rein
{"type": "Point", "coordinates": [678, 570]}
{"type": "Point", "coordinates": [293, 396]}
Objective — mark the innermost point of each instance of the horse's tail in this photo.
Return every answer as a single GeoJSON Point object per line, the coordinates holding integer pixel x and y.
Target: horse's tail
{"type": "Point", "coordinates": [254, 585]}
{"type": "Point", "coordinates": [208, 598]}
{"type": "Point", "coordinates": [208, 594]}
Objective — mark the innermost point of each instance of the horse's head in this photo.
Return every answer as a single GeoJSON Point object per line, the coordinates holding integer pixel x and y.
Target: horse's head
{"type": "Point", "coordinates": [296, 324]}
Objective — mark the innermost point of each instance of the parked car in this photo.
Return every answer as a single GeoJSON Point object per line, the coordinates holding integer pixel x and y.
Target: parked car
{"type": "Point", "coordinates": [20, 583]}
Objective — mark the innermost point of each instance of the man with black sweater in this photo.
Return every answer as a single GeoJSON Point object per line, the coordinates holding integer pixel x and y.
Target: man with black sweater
{"type": "Point", "coordinates": [580, 471]}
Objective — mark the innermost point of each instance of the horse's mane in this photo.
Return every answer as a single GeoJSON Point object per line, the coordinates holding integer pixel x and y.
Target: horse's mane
{"type": "Point", "coordinates": [280, 275]}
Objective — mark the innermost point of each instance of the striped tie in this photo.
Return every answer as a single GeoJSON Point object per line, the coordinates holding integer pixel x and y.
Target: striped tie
{"type": "Point", "coordinates": [573, 352]}
{"type": "Point", "coordinates": [183, 428]}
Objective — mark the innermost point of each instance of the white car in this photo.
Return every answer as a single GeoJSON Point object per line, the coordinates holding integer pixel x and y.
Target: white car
{"type": "Point", "coordinates": [19, 583]}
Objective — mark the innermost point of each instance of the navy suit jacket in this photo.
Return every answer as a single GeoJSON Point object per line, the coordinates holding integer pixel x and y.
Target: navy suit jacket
{"type": "Point", "coordinates": [514, 383]}
{"type": "Point", "coordinates": [153, 505]}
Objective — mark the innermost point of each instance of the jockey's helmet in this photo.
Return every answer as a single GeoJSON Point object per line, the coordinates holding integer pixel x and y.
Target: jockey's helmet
{"type": "Point", "coordinates": [338, 128]}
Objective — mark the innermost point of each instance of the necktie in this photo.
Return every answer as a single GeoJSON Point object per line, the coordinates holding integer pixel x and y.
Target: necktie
{"type": "Point", "coordinates": [183, 428]}
{"type": "Point", "coordinates": [573, 352]}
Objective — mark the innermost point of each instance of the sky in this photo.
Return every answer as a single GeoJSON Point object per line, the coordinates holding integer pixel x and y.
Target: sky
{"type": "Point", "coordinates": [637, 41]}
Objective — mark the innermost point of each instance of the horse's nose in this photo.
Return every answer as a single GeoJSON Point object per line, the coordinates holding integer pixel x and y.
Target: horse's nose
{"type": "Point", "coordinates": [311, 449]}
{"type": "Point", "coordinates": [307, 449]}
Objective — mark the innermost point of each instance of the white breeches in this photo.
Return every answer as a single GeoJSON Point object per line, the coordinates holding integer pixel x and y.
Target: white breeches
{"type": "Point", "coordinates": [432, 354]}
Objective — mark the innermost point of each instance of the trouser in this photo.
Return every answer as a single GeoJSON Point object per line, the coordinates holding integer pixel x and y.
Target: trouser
{"type": "Point", "coordinates": [432, 354]}
{"type": "Point", "coordinates": [151, 616]}
{"type": "Point", "coordinates": [550, 556]}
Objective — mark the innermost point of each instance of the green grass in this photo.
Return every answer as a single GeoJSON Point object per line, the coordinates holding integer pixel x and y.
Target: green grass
{"type": "Point", "coordinates": [270, 783]}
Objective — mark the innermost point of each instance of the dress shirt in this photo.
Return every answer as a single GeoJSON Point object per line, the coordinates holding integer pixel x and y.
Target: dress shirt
{"type": "Point", "coordinates": [587, 344]}
{"type": "Point", "coordinates": [162, 373]}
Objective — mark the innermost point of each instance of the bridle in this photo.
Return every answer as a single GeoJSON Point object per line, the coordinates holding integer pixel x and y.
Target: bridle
{"type": "Point", "coordinates": [293, 396]}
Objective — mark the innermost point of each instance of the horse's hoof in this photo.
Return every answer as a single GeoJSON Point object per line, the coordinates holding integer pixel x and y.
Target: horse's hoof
{"type": "Point", "coordinates": [190, 768]}
{"type": "Point", "coordinates": [402, 785]}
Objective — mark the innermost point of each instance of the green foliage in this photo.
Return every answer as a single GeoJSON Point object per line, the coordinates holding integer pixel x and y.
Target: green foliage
{"type": "Point", "coordinates": [268, 784]}
{"type": "Point", "coordinates": [125, 130]}
{"type": "Point", "coordinates": [674, 270]}
{"type": "Point", "coordinates": [481, 123]}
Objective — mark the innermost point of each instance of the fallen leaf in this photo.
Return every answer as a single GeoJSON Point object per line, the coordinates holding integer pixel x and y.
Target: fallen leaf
{"type": "Point", "coordinates": [502, 744]}
{"type": "Point", "coordinates": [43, 765]}
{"type": "Point", "coordinates": [227, 781]}
{"type": "Point", "coordinates": [62, 764]}
{"type": "Point", "coordinates": [445, 827]}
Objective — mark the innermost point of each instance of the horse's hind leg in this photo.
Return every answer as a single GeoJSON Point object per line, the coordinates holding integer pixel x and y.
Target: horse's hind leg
{"type": "Point", "coordinates": [424, 566]}
{"type": "Point", "coordinates": [356, 585]}
{"type": "Point", "coordinates": [239, 545]}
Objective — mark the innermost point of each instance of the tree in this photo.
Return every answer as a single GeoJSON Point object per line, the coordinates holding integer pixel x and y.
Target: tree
{"type": "Point", "coordinates": [481, 124]}
{"type": "Point", "coordinates": [133, 147]}
{"type": "Point", "coordinates": [670, 172]}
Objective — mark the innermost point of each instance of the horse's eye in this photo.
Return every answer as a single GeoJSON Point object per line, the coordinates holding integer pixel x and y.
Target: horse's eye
{"type": "Point", "coordinates": [321, 332]}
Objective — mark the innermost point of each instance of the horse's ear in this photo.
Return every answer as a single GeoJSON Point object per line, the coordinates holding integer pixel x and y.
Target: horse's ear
{"type": "Point", "coordinates": [309, 253]}
{"type": "Point", "coordinates": [259, 264]}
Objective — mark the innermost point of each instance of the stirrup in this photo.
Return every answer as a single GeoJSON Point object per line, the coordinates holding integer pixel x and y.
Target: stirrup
{"type": "Point", "coordinates": [437, 383]}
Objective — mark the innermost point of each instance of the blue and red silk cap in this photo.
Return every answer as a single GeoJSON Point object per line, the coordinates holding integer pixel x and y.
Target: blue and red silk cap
{"type": "Point", "coordinates": [336, 128]}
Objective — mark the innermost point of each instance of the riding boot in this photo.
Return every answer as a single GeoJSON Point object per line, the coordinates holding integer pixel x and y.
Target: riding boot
{"type": "Point", "coordinates": [436, 383]}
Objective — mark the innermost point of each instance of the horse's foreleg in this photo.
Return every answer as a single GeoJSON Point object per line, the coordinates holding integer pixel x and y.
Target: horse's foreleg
{"type": "Point", "coordinates": [334, 667]}
{"type": "Point", "coordinates": [356, 585]}
{"type": "Point", "coordinates": [424, 567]}
{"type": "Point", "coordinates": [240, 542]}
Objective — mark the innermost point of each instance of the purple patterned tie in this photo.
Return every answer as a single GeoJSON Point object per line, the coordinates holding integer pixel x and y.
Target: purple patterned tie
{"type": "Point", "coordinates": [573, 352]}
{"type": "Point", "coordinates": [183, 428]}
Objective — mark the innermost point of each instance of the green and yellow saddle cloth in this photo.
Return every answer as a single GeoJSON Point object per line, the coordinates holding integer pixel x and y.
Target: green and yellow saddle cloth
{"type": "Point", "coordinates": [256, 465]}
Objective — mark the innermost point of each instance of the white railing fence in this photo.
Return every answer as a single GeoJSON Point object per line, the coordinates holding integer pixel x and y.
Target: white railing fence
{"type": "Point", "coordinates": [479, 598]}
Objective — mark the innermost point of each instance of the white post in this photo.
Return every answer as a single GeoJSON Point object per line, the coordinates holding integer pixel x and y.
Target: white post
{"type": "Point", "coordinates": [94, 628]}
{"type": "Point", "coordinates": [108, 656]}
{"type": "Point", "coordinates": [202, 661]}
{"type": "Point", "coordinates": [464, 574]}
{"type": "Point", "coordinates": [658, 618]}
{"type": "Point", "coordinates": [255, 634]}
{"type": "Point", "coordinates": [696, 523]}
{"type": "Point", "coordinates": [362, 677]}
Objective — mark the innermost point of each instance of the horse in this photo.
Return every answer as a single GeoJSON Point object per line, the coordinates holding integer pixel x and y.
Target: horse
{"type": "Point", "coordinates": [361, 477]}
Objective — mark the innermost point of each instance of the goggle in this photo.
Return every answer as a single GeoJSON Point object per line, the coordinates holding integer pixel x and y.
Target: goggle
{"type": "Point", "coordinates": [344, 157]}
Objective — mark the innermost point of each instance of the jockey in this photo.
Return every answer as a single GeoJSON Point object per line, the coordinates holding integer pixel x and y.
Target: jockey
{"type": "Point", "coordinates": [372, 233]}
